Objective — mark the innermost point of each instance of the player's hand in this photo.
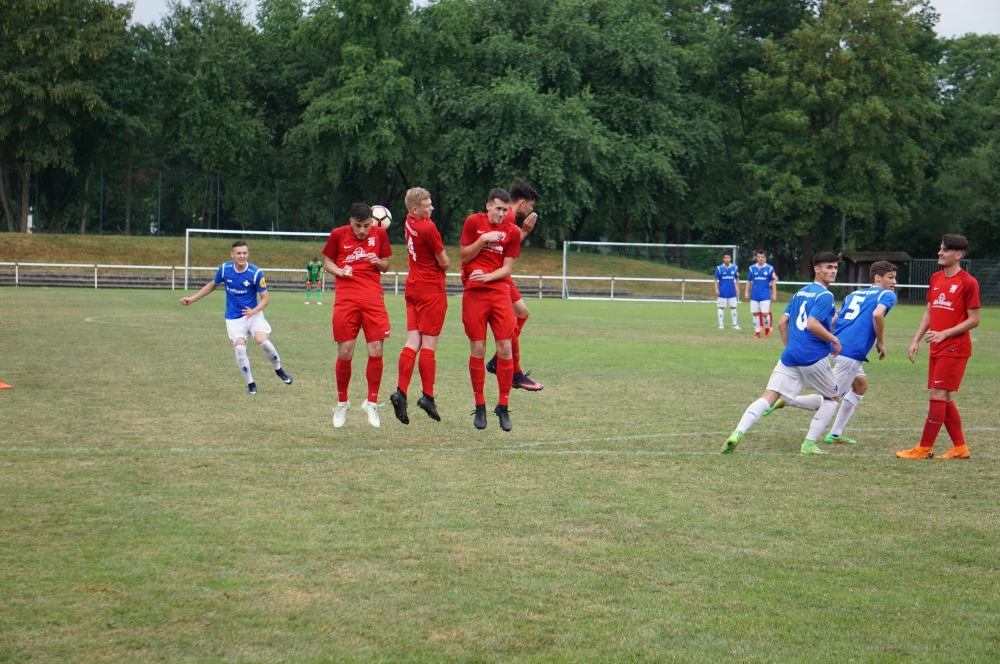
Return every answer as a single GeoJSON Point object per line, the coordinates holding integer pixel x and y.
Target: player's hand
{"type": "Point", "coordinates": [529, 223]}
{"type": "Point", "coordinates": [186, 301]}
{"type": "Point", "coordinates": [478, 276]}
{"type": "Point", "coordinates": [247, 311]}
{"type": "Point", "coordinates": [346, 271]}
{"type": "Point", "coordinates": [490, 238]}
{"type": "Point", "coordinates": [936, 337]}
{"type": "Point", "coordinates": [372, 258]}
{"type": "Point", "coordinates": [880, 347]}
{"type": "Point", "coordinates": [914, 349]}
{"type": "Point", "coordinates": [836, 347]}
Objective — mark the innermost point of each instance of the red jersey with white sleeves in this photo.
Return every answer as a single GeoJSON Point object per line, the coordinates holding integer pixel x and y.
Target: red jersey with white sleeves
{"type": "Point", "coordinates": [344, 249]}
{"type": "Point", "coordinates": [491, 257]}
{"type": "Point", "coordinates": [423, 243]}
{"type": "Point", "coordinates": [950, 299]}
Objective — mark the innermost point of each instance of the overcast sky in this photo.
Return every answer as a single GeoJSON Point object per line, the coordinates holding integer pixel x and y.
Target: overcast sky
{"type": "Point", "coordinates": [957, 16]}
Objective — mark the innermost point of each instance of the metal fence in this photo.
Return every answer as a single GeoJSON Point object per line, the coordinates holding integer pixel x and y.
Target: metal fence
{"type": "Point", "coordinates": [986, 272]}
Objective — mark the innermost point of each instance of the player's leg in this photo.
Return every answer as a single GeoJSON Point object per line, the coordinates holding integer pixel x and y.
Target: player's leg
{"type": "Point", "coordinates": [502, 322]}
{"type": "Point", "coordinates": [848, 373]}
{"type": "Point", "coordinates": [521, 380]}
{"type": "Point", "coordinates": [373, 374]}
{"type": "Point", "coordinates": [721, 304]}
{"type": "Point", "coordinates": [239, 330]}
{"type": "Point", "coordinates": [319, 292]}
{"type": "Point", "coordinates": [346, 325]}
{"type": "Point", "coordinates": [750, 416]}
{"type": "Point", "coordinates": [308, 290]}
{"type": "Point", "coordinates": [732, 313]}
{"type": "Point", "coordinates": [820, 377]}
{"type": "Point", "coordinates": [765, 312]}
{"type": "Point", "coordinates": [407, 360]}
{"type": "Point", "coordinates": [944, 376]}
{"type": "Point", "coordinates": [475, 315]}
{"type": "Point", "coordinates": [755, 316]}
{"type": "Point", "coordinates": [953, 424]}
{"type": "Point", "coordinates": [260, 329]}
{"type": "Point", "coordinates": [430, 322]}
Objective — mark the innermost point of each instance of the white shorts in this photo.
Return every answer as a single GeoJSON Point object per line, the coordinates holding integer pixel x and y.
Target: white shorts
{"type": "Point", "coordinates": [845, 370]}
{"type": "Point", "coordinates": [789, 381]}
{"type": "Point", "coordinates": [760, 306]}
{"type": "Point", "coordinates": [727, 302]}
{"type": "Point", "coordinates": [244, 328]}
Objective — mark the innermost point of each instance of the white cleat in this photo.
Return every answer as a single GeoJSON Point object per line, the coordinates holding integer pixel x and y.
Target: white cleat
{"type": "Point", "coordinates": [722, 327]}
{"type": "Point", "coordinates": [372, 410]}
{"type": "Point", "coordinates": [737, 327]}
{"type": "Point", "coordinates": [340, 413]}
{"type": "Point", "coordinates": [319, 303]}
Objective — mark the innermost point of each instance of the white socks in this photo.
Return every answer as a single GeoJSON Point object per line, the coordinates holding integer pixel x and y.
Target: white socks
{"type": "Point", "coordinates": [821, 419]}
{"type": "Point", "coordinates": [271, 354]}
{"type": "Point", "coordinates": [243, 362]}
{"type": "Point", "coordinates": [807, 402]}
{"type": "Point", "coordinates": [752, 413]}
{"type": "Point", "coordinates": [847, 406]}
{"type": "Point", "coordinates": [732, 312]}
{"type": "Point", "coordinates": [756, 322]}
{"type": "Point", "coordinates": [720, 317]}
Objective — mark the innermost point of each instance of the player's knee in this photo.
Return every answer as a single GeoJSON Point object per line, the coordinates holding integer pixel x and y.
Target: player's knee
{"type": "Point", "coordinates": [521, 309]}
{"type": "Point", "coordinates": [860, 386]}
{"type": "Point", "coordinates": [375, 349]}
{"type": "Point", "coordinates": [478, 348]}
{"type": "Point", "coordinates": [504, 351]}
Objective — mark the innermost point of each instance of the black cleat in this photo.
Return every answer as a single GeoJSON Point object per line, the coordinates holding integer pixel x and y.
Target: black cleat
{"type": "Point", "coordinates": [398, 400]}
{"type": "Point", "coordinates": [283, 376]}
{"type": "Point", "coordinates": [252, 388]}
{"type": "Point", "coordinates": [491, 366]}
{"type": "Point", "coordinates": [504, 415]}
{"type": "Point", "coordinates": [480, 417]}
{"type": "Point", "coordinates": [427, 404]}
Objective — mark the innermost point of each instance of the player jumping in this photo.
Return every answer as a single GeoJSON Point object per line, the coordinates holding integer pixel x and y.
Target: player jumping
{"type": "Point", "coordinates": [314, 280]}
{"type": "Point", "coordinates": [357, 255]}
{"type": "Point", "coordinates": [808, 343]}
{"type": "Point", "coordinates": [952, 310]}
{"type": "Point", "coordinates": [426, 303]}
{"type": "Point", "coordinates": [764, 280]}
{"type": "Point", "coordinates": [244, 314]}
{"type": "Point", "coordinates": [727, 284]}
{"type": "Point", "coordinates": [489, 246]}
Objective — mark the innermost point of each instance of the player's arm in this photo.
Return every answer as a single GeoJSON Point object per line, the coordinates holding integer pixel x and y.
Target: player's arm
{"type": "Point", "coordinates": [746, 288]}
{"type": "Point", "coordinates": [814, 325]}
{"type": "Point", "coordinates": [264, 299]}
{"type": "Point", "coordinates": [332, 268]}
{"type": "Point", "coordinates": [878, 322]}
{"type": "Point", "coordinates": [925, 324]}
{"type": "Point", "coordinates": [496, 275]}
{"type": "Point", "coordinates": [716, 283]}
{"type": "Point", "coordinates": [783, 328]}
{"type": "Point", "coordinates": [969, 323]}
{"type": "Point", "coordinates": [470, 251]}
{"type": "Point", "coordinates": [205, 290]}
{"type": "Point", "coordinates": [528, 225]}
{"type": "Point", "coordinates": [774, 287]}
{"type": "Point", "coordinates": [442, 260]}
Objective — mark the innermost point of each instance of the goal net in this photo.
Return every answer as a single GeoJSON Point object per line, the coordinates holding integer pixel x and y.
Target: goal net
{"type": "Point", "coordinates": [634, 271]}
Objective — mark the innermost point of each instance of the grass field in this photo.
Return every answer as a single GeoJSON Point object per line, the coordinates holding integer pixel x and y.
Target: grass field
{"type": "Point", "coordinates": [150, 510]}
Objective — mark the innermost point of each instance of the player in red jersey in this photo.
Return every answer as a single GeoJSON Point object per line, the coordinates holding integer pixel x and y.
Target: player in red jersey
{"type": "Point", "coordinates": [489, 246]}
{"type": "Point", "coordinates": [952, 310]}
{"type": "Point", "coordinates": [426, 303]}
{"type": "Point", "coordinates": [522, 201]}
{"type": "Point", "coordinates": [357, 255]}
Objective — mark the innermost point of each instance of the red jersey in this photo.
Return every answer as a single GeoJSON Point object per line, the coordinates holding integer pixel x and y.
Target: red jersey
{"type": "Point", "coordinates": [950, 300]}
{"type": "Point", "coordinates": [491, 257]}
{"type": "Point", "coordinates": [343, 248]}
{"type": "Point", "coordinates": [423, 243]}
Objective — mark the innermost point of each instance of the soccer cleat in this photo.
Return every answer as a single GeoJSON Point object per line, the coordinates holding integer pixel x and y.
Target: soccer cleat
{"type": "Point", "coordinates": [5, 386]}
{"type": "Point", "coordinates": [480, 416]}
{"type": "Point", "coordinates": [767, 333]}
{"type": "Point", "coordinates": [810, 447]}
{"type": "Point", "coordinates": [372, 410]}
{"type": "Point", "coordinates": [340, 413]}
{"type": "Point", "coordinates": [283, 376]}
{"type": "Point", "coordinates": [398, 401]}
{"type": "Point", "coordinates": [491, 366]}
{"type": "Point", "coordinates": [956, 452]}
{"type": "Point", "coordinates": [917, 452]}
{"type": "Point", "coordinates": [839, 440]}
{"type": "Point", "coordinates": [319, 303]}
{"type": "Point", "coordinates": [504, 415]}
{"type": "Point", "coordinates": [756, 335]}
{"type": "Point", "coordinates": [307, 301]}
{"type": "Point", "coordinates": [427, 404]}
{"type": "Point", "coordinates": [252, 388]}
{"type": "Point", "coordinates": [737, 327]}
{"type": "Point", "coordinates": [780, 403]}
{"type": "Point", "coordinates": [731, 442]}
{"type": "Point", "coordinates": [722, 327]}
{"type": "Point", "coordinates": [522, 382]}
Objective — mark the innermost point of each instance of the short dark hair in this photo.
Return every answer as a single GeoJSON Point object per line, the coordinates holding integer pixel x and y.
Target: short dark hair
{"type": "Point", "coordinates": [727, 253]}
{"type": "Point", "coordinates": [498, 194]}
{"type": "Point", "coordinates": [955, 243]}
{"type": "Point", "coordinates": [825, 257]}
{"type": "Point", "coordinates": [880, 269]}
{"type": "Point", "coordinates": [239, 243]}
{"type": "Point", "coordinates": [315, 259]}
{"type": "Point", "coordinates": [523, 191]}
{"type": "Point", "coordinates": [361, 211]}
{"type": "Point", "coordinates": [761, 251]}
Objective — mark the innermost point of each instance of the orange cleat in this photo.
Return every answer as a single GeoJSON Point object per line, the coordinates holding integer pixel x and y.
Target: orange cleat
{"type": "Point", "coordinates": [756, 335]}
{"type": "Point", "coordinates": [767, 333]}
{"type": "Point", "coordinates": [956, 452]}
{"type": "Point", "coordinates": [5, 386]}
{"type": "Point", "coordinates": [917, 452]}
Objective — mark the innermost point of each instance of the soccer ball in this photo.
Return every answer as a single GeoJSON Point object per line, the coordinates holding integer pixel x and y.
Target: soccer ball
{"type": "Point", "coordinates": [382, 216]}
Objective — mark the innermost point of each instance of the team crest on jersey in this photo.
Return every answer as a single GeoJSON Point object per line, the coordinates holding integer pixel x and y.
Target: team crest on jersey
{"type": "Point", "coordinates": [245, 283]}
{"type": "Point", "coordinates": [371, 242]}
{"type": "Point", "coordinates": [954, 287]}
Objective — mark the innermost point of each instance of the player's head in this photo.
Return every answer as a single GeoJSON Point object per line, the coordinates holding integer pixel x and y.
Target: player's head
{"type": "Point", "coordinates": [825, 266]}
{"type": "Point", "coordinates": [953, 249]}
{"type": "Point", "coordinates": [523, 197]}
{"type": "Point", "coordinates": [497, 205]}
{"type": "Point", "coordinates": [240, 253]}
{"type": "Point", "coordinates": [727, 258]}
{"type": "Point", "coordinates": [418, 203]}
{"type": "Point", "coordinates": [361, 220]}
{"type": "Point", "coordinates": [883, 273]}
{"type": "Point", "coordinates": [315, 259]}
{"type": "Point", "coordinates": [761, 257]}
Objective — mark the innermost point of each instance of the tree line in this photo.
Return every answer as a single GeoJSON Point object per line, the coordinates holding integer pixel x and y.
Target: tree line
{"type": "Point", "coordinates": [791, 125]}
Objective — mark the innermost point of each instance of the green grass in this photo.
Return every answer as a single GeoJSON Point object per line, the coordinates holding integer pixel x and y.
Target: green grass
{"type": "Point", "coordinates": [150, 510]}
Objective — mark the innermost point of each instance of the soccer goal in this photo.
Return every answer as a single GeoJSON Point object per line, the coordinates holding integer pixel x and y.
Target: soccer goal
{"type": "Point", "coordinates": [642, 272]}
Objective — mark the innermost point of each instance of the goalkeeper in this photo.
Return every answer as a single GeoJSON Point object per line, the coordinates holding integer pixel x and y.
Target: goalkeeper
{"type": "Point", "coordinates": [314, 280]}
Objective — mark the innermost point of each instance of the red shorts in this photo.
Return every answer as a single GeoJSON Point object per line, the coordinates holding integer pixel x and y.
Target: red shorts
{"type": "Point", "coordinates": [945, 372]}
{"type": "Point", "coordinates": [515, 294]}
{"type": "Point", "coordinates": [425, 312]}
{"type": "Point", "coordinates": [352, 315]}
{"type": "Point", "coordinates": [487, 305]}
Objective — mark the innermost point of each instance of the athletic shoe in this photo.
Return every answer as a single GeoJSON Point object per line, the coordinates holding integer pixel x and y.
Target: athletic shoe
{"type": "Point", "coordinates": [737, 327]}
{"type": "Point", "coordinates": [283, 376]}
{"type": "Point", "coordinates": [5, 386]}
{"type": "Point", "coordinates": [810, 447]}
{"type": "Point", "coordinates": [307, 301]}
{"type": "Point", "coordinates": [767, 333]}
{"type": "Point", "coordinates": [340, 413]}
{"type": "Point", "coordinates": [504, 415]}
{"type": "Point", "coordinates": [427, 404]}
{"type": "Point", "coordinates": [780, 403]}
{"type": "Point", "coordinates": [480, 417]}
{"type": "Point", "coordinates": [319, 303]}
{"type": "Point", "coordinates": [252, 388]}
{"type": "Point", "coordinates": [839, 440]}
{"type": "Point", "coordinates": [756, 335]}
{"type": "Point", "coordinates": [398, 401]}
{"type": "Point", "coordinates": [722, 327]}
{"type": "Point", "coordinates": [917, 452]}
{"type": "Point", "coordinates": [372, 410]}
{"type": "Point", "coordinates": [731, 442]}
{"type": "Point", "coordinates": [522, 382]}
{"type": "Point", "coordinates": [956, 452]}
{"type": "Point", "coordinates": [491, 366]}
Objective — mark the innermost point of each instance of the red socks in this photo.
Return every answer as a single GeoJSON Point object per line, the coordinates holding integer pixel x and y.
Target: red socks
{"type": "Point", "coordinates": [406, 360]}
{"type": "Point", "coordinates": [428, 367]}
{"type": "Point", "coordinates": [935, 418]}
{"type": "Point", "coordinates": [505, 376]}
{"type": "Point", "coordinates": [477, 371]}
{"type": "Point", "coordinates": [953, 423]}
{"type": "Point", "coordinates": [515, 344]}
{"type": "Point", "coordinates": [343, 378]}
{"type": "Point", "coordinates": [373, 372]}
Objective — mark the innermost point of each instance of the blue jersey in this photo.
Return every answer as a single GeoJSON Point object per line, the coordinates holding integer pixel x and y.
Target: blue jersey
{"type": "Point", "coordinates": [727, 277]}
{"type": "Point", "coordinates": [855, 325]}
{"type": "Point", "coordinates": [760, 279]}
{"type": "Point", "coordinates": [804, 347]}
{"type": "Point", "coordinates": [241, 287]}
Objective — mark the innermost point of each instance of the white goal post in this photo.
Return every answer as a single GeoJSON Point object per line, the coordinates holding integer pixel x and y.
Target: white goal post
{"type": "Point", "coordinates": [212, 231]}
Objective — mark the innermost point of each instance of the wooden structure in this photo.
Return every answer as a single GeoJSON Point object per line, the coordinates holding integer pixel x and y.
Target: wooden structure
{"type": "Point", "coordinates": [857, 264]}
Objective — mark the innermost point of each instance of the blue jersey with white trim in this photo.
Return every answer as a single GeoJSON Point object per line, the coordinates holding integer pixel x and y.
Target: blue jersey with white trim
{"type": "Point", "coordinates": [856, 326]}
{"type": "Point", "coordinates": [241, 287]}
{"type": "Point", "coordinates": [804, 347]}
{"type": "Point", "coordinates": [727, 277]}
{"type": "Point", "coordinates": [760, 279]}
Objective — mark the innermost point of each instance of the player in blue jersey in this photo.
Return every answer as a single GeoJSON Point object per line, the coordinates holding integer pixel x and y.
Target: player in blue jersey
{"type": "Point", "coordinates": [244, 315]}
{"type": "Point", "coordinates": [727, 284]}
{"type": "Point", "coordinates": [761, 289]}
{"type": "Point", "coordinates": [860, 325]}
{"type": "Point", "coordinates": [805, 329]}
